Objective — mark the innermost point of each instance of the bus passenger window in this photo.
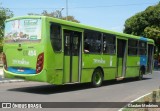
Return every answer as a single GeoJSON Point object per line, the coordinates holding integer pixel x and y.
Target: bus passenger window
{"type": "Point", "coordinates": [142, 48]}
{"type": "Point", "coordinates": [55, 37]}
{"type": "Point", "coordinates": [132, 47]}
{"type": "Point", "coordinates": [67, 43]}
{"type": "Point", "coordinates": [109, 44]}
{"type": "Point", "coordinates": [92, 41]}
{"type": "Point", "coordinates": [86, 47]}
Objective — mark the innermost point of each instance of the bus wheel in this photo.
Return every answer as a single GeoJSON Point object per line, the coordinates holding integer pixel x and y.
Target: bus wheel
{"type": "Point", "coordinates": [141, 72]}
{"type": "Point", "coordinates": [97, 78]}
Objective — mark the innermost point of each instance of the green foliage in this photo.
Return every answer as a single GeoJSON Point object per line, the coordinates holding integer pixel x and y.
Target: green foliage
{"type": "Point", "coordinates": [70, 18]}
{"type": "Point", "coordinates": [152, 32]}
{"type": "Point", "coordinates": [5, 13]}
{"type": "Point", "coordinates": [136, 24]}
{"type": "Point", "coordinates": [146, 23]}
{"type": "Point", "coordinates": [150, 18]}
{"type": "Point", "coordinates": [56, 14]}
{"type": "Point", "coordinates": [1, 49]}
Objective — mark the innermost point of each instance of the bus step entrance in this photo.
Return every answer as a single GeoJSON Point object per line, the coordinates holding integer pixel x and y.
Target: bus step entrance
{"type": "Point", "coordinates": [72, 83]}
{"type": "Point", "coordinates": [119, 78]}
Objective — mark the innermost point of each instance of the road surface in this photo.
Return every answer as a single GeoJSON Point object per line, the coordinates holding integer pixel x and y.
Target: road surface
{"type": "Point", "coordinates": [111, 91]}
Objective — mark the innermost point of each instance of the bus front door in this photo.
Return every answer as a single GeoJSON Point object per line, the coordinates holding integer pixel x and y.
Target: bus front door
{"type": "Point", "coordinates": [121, 58]}
{"type": "Point", "coordinates": [72, 56]}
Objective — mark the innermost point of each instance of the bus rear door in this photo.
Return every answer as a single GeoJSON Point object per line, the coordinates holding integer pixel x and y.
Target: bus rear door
{"type": "Point", "coordinates": [121, 57]}
{"type": "Point", "coordinates": [150, 58]}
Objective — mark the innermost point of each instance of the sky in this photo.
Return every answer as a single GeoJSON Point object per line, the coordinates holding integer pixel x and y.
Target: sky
{"type": "Point", "coordinates": [107, 14]}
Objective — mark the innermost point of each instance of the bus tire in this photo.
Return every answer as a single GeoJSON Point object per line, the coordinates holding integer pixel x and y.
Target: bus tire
{"type": "Point", "coordinates": [141, 72]}
{"type": "Point", "coordinates": [97, 78]}
{"type": "Point", "coordinates": [140, 77]}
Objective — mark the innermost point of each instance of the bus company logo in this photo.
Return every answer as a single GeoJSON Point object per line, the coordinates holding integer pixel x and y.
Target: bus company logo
{"type": "Point", "coordinates": [22, 62]}
{"type": "Point", "coordinates": [100, 61]}
{"type": "Point", "coordinates": [6, 105]}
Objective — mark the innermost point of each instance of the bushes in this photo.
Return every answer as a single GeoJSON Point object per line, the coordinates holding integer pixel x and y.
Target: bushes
{"type": "Point", "coordinates": [1, 49]}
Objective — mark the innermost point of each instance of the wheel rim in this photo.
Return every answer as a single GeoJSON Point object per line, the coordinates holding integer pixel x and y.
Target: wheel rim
{"type": "Point", "coordinates": [97, 78]}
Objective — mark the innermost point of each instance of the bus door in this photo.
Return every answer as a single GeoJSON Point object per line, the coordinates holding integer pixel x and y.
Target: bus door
{"type": "Point", "coordinates": [121, 57]}
{"type": "Point", "coordinates": [150, 58]}
{"type": "Point", "coordinates": [72, 56]}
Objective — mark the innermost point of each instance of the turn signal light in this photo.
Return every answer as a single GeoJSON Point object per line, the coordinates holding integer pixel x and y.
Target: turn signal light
{"type": "Point", "coordinates": [40, 62]}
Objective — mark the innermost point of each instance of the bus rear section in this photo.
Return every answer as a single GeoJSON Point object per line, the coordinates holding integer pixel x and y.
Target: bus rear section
{"type": "Point", "coordinates": [23, 52]}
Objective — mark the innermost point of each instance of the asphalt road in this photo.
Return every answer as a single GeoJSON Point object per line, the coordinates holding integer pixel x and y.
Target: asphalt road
{"type": "Point", "coordinates": [111, 91]}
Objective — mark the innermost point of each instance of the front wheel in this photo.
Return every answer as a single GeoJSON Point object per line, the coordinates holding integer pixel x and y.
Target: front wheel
{"type": "Point", "coordinates": [97, 78]}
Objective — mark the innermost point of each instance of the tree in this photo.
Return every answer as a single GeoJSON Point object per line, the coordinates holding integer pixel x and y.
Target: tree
{"type": "Point", "coordinates": [56, 14]}
{"type": "Point", "coordinates": [70, 18]}
{"type": "Point", "coordinates": [5, 13]}
{"type": "Point", "coordinates": [145, 23]}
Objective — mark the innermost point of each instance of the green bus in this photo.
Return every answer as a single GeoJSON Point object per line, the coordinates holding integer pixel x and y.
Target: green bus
{"type": "Point", "coordinates": [46, 49]}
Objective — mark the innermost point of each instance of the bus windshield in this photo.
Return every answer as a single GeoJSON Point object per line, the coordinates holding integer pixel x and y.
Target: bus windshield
{"type": "Point", "coordinates": [23, 30]}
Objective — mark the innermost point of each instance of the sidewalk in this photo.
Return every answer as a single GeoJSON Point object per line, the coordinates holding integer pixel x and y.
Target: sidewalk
{"type": "Point", "coordinates": [6, 80]}
{"type": "Point", "coordinates": [1, 72]}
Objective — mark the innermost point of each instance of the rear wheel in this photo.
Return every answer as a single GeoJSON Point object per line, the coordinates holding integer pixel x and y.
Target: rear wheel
{"type": "Point", "coordinates": [141, 72]}
{"type": "Point", "coordinates": [97, 78]}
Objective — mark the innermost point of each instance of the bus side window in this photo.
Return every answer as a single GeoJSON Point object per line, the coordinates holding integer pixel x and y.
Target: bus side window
{"type": "Point", "coordinates": [55, 37]}
{"type": "Point", "coordinates": [67, 43]}
{"type": "Point", "coordinates": [132, 47]}
{"type": "Point", "coordinates": [142, 48]}
{"type": "Point", "coordinates": [109, 44]}
{"type": "Point", "coordinates": [92, 42]}
{"type": "Point", "coordinates": [86, 47]}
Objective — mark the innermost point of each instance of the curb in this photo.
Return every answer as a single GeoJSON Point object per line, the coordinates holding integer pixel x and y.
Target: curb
{"type": "Point", "coordinates": [135, 100]}
{"type": "Point", "coordinates": [5, 80]}
{"type": "Point", "coordinates": [11, 81]}
{"type": "Point", "coordinates": [2, 80]}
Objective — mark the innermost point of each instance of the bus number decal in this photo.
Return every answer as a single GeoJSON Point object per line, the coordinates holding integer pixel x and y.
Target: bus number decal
{"type": "Point", "coordinates": [32, 53]}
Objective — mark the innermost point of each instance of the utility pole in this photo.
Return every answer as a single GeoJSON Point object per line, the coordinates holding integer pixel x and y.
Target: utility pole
{"type": "Point", "coordinates": [66, 9]}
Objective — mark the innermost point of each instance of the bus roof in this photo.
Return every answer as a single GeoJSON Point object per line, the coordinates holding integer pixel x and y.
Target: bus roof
{"type": "Point", "coordinates": [82, 26]}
